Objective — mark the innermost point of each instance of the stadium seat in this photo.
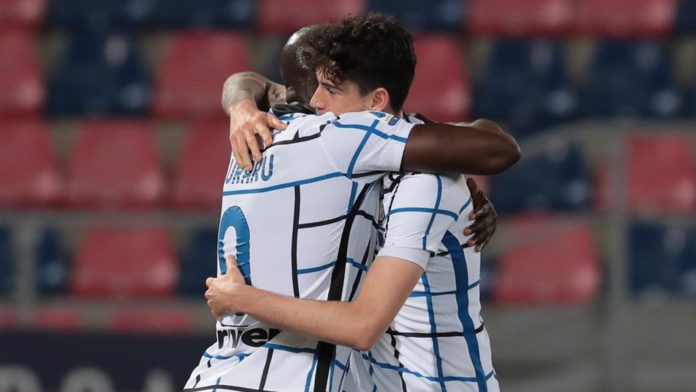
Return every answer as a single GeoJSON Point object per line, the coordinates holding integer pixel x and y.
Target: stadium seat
{"type": "Point", "coordinates": [190, 78]}
{"type": "Point", "coordinates": [125, 262]}
{"type": "Point", "coordinates": [631, 78]}
{"type": "Point", "coordinates": [552, 261]}
{"type": "Point", "coordinates": [279, 17]}
{"type": "Point", "coordinates": [52, 268]}
{"type": "Point", "coordinates": [201, 166]}
{"type": "Point", "coordinates": [434, 15]}
{"type": "Point", "coordinates": [198, 262]}
{"type": "Point", "coordinates": [115, 164]}
{"type": "Point", "coordinates": [660, 175]}
{"type": "Point", "coordinates": [28, 172]}
{"type": "Point", "coordinates": [147, 321]}
{"type": "Point", "coordinates": [57, 319]}
{"type": "Point", "coordinates": [686, 17]}
{"type": "Point", "coordinates": [7, 262]}
{"type": "Point", "coordinates": [218, 14]}
{"type": "Point", "coordinates": [514, 18]}
{"type": "Point", "coordinates": [625, 18]}
{"type": "Point", "coordinates": [99, 73]}
{"type": "Point", "coordinates": [662, 259]}
{"type": "Point", "coordinates": [21, 85]}
{"type": "Point", "coordinates": [9, 318]}
{"type": "Point", "coordinates": [557, 180]}
{"type": "Point", "coordinates": [526, 87]}
{"type": "Point", "coordinates": [100, 16]}
{"type": "Point", "coordinates": [440, 89]}
{"type": "Point", "coordinates": [21, 14]}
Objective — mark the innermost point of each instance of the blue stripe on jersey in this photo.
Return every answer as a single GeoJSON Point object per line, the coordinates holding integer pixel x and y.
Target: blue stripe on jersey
{"type": "Point", "coordinates": [352, 262]}
{"type": "Point", "coordinates": [286, 185]}
{"type": "Point", "coordinates": [371, 129]}
{"type": "Point", "coordinates": [291, 349]}
{"type": "Point", "coordinates": [353, 191]}
{"type": "Point", "coordinates": [461, 275]}
{"type": "Point", "coordinates": [241, 356]}
{"type": "Point", "coordinates": [403, 369]}
{"type": "Point", "coordinates": [436, 293]}
{"type": "Point", "coordinates": [432, 218]}
{"type": "Point", "coordinates": [428, 210]}
{"type": "Point", "coordinates": [465, 205]}
{"type": "Point", "coordinates": [345, 369]}
{"type": "Point", "coordinates": [360, 147]}
{"type": "Point", "coordinates": [433, 328]}
{"type": "Point", "coordinates": [311, 371]}
{"type": "Point", "coordinates": [217, 382]}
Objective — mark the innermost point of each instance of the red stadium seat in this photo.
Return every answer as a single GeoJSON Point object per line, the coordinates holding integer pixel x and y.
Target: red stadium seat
{"type": "Point", "coordinates": [515, 18]}
{"type": "Point", "coordinates": [551, 262]}
{"type": "Point", "coordinates": [283, 17]}
{"type": "Point", "coordinates": [625, 18]}
{"type": "Point", "coordinates": [661, 175]}
{"type": "Point", "coordinates": [21, 86]}
{"type": "Point", "coordinates": [441, 89]}
{"type": "Point", "coordinates": [202, 165]}
{"type": "Point", "coordinates": [115, 164]}
{"type": "Point", "coordinates": [161, 321]}
{"type": "Point", "coordinates": [28, 171]}
{"type": "Point", "coordinates": [125, 262]}
{"type": "Point", "coordinates": [23, 14]}
{"type": "Point", "coordinates": [196, 65]}
{"type": "Point", "coordinates": [9, 318]}
{"type": "Point", "coordinates": [58, 319]}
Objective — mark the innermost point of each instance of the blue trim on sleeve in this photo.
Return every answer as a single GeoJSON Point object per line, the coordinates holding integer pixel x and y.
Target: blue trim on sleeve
{"type": "Point", "coordinates": [461, 274]}
{"type": "Point", "coordinates": [451, 214]}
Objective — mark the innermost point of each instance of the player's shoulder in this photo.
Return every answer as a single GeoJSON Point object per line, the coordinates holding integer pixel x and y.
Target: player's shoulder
{"type": "Point", "coordinates": [450, 186]}
{"type": "Point", "coordinates": [368, 119]}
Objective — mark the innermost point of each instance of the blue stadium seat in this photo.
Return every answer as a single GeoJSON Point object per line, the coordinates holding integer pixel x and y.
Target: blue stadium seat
{"type": "Point", "coordinates": [7, 263]}
{"type": "Point", "coordinates": [100, 15]}
{"type": "Point", "coordinates": [99, 74]}
{"type": "Point", "coordinates": [631, 78]}
{"type": "Point", "coordinates": [686, 17]}
{"type": "Point", "coordinates": [526, 86]}
{"type": "Point", "coordinates": [52, 270]}
{"type": "Point", "coordinates": [206, 13]}
{"type": "Point", "coordinates": [662, 259]}
{"type": "Point", "coordinates": [557, 180]}
{"type": "Point", "coordinates": [434, 15]}
{"type": "Point", "coordinates": [199, 262]}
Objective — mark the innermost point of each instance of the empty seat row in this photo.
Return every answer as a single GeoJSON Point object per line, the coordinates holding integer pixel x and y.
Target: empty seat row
{"type": "Point", "coordinates": [477, 17]}
{"type": "Point", "coordinates": [114, 164]}
{"type": "Point", "coordinates": [114, 262]}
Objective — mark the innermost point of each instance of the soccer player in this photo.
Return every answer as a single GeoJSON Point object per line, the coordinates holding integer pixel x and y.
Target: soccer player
{"type": "Point", "coordinates": [437, 340]}
{"type": "Point", "coordinates": [301, 223]}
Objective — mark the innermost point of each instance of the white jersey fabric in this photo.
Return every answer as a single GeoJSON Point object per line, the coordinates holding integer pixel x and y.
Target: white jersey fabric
{"type": "Point", "coordinates": [302, 224]}
{"type": "Point", "coordinates": [437, 341]}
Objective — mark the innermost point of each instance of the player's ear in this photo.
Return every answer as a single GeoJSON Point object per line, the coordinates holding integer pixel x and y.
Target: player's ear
{"type": "Point", "coordinates": [380, 99]}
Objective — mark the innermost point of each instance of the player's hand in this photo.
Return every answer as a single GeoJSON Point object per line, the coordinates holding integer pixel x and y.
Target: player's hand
{"type": "Point", "coordinates": [222, 291]}
{"type": "Point", "coordinates": [248, 126]}
{"type": "Point", "coordinates": [484, 216]}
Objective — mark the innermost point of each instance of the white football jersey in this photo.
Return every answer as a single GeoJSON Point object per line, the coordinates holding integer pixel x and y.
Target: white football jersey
{"type": "Point", "coordinates": [437, 341]}
{"type": "Point", "coordinates": [303, 223]}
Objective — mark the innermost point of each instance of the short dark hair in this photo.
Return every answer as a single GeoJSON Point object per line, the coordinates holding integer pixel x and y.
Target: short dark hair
{"type": "Point", "coordinates": [371, 51]}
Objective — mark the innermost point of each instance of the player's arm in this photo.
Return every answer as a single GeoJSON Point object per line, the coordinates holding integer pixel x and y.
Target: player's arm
{"type": "Point", "coordinates": [478, 148]}
{"type": "Point", "coordinates": [357, 324]}
{"type": "Point", "coordinates": [246, 98]}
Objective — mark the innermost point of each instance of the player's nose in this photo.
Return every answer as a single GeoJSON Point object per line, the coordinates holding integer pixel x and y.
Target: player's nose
{"type": "Point", "coordinates": [317, 102]}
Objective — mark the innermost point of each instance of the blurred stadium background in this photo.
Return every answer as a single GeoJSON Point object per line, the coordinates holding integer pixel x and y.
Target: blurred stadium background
{"type": "Point", "coordinates": [113, 148]}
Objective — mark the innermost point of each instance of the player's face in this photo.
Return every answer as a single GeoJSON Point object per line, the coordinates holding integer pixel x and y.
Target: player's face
{"type": "Point", "coordinates": [339, 99]}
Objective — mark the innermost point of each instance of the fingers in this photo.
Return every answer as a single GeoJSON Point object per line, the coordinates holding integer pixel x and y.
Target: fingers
{"type": "Point", "coordinates": [253, 145]}
{"type": "Point", "coordinates": [231, 262]}
{"type": "Point", "coordinates": [275, 123]}
{"type": "Point", "coordinates": [472, 185]}
{"type": "Point", "coordinates": [242, 153]}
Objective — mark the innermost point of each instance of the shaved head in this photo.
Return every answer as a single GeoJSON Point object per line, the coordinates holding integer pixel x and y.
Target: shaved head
{"type": "Point", "coordinates": [296, 67]}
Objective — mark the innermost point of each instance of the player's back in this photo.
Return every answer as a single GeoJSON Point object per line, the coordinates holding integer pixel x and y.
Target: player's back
{"type": "Point", "coordinates": [301, 223]}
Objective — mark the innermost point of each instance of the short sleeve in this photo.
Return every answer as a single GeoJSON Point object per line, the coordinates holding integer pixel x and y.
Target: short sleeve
{"type": "Point", "coordinates": [421, 208]}
{"type": "Point", "coordinates": [365, 142]}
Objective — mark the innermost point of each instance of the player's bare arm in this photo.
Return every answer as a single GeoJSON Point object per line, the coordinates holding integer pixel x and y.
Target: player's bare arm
{"type": "Point", "coordinates": [242, 95]}
{"type": "Point", "coordinates": [357, 324]}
